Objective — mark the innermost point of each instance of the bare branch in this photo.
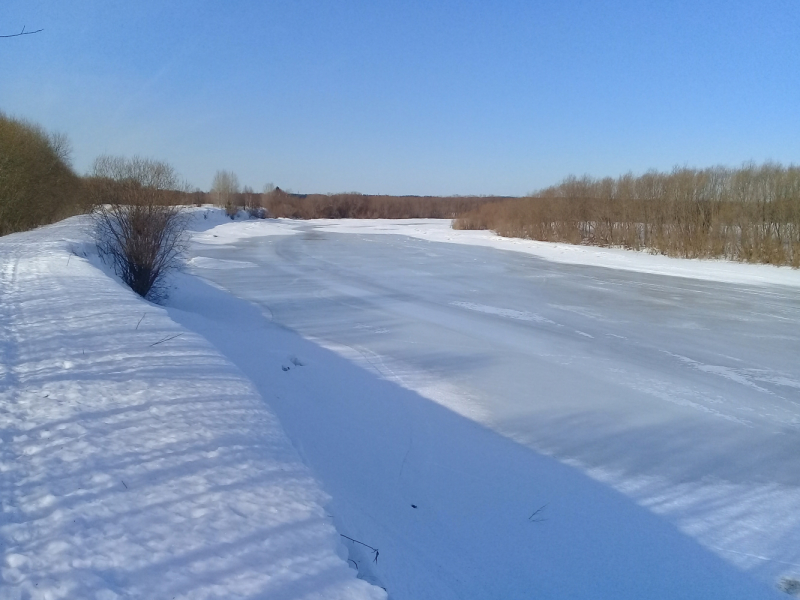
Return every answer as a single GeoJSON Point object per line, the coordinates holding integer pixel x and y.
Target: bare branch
{"type": "Point", "coordinates": [374, 550]}
{"type": "Point", "coordinates": [23, 32]}
{"type": "Point", "coordinates": [533, 518]}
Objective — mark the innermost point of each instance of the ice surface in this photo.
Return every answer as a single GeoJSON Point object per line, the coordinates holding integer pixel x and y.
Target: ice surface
{"type": "Point", "coordinates": [682, 393]}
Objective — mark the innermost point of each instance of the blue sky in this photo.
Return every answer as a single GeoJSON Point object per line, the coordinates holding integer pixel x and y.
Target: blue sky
{"type": "Point", "coordinates": [410, 97]}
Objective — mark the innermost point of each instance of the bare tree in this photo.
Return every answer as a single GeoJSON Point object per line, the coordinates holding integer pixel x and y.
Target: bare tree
{"type": "Point", "coordinates": [224, 190]}
{"type": "Point", "coordinates": [749, 214]}
{"type": "Point", "coordinates": [253, 203]}
{"type": "Point", "coordinates": [137, 229]}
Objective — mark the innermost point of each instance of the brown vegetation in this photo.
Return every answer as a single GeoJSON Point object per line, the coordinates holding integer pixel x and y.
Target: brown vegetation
{"type": "Point", "coordinates": [361, 206]}
{"type": "Point", "coordinates": [277, 203]}
{"type": "Point", "coordinates": [225, 191]}
{"type": "Point", "coordinates": [139, 227]}
{"type": "Point", "coordinates": [37, 185]}
{"type": "Point", "coordinates": [750, 214]}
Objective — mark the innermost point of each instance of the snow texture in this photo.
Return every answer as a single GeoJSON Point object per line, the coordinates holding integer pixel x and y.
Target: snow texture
{"type": "Point", "coordinates": [484, 424]}
{"type": "Point", "coordinates": [500, 425]}
{"type": "Point", "coordinates": [135, 460]}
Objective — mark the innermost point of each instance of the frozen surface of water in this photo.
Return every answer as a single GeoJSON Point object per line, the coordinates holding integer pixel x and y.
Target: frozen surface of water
{"type": "Point", "coordinates": [682, 393]}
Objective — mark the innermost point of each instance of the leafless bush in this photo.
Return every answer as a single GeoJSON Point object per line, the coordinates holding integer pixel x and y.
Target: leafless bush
{"type": "Point", "coordinates": [750, 214]}
{"type": "Point", "coordinates": [253, 203]}
{"type": "Point", "coordinates": [225, 191]}
{"type": "Point", "coordinates": [138, 229]}
{"type": "Point", "coordinates": [37, 185]}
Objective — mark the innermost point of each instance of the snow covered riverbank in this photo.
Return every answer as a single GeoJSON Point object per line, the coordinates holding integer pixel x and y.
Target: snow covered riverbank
{"type": "Point", "coordinates": [135, 460]}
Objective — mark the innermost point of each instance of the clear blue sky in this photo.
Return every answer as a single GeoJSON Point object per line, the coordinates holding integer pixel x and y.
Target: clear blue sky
{"type": "Point", "coordinates": [410, 97]}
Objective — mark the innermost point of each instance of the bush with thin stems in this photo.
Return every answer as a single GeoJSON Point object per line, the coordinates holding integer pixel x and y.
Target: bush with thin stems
{"type": "Point", "coordinates": [139, 229]}
{"type": "Point", "coordinates": [225, 191]}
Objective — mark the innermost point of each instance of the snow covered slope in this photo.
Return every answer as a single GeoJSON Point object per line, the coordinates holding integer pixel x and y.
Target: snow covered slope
{"type": "Point", "coordinates": [136, 461]}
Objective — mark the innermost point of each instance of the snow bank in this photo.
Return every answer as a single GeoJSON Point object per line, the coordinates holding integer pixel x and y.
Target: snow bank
{"type": "Point", "coordinates": [439, 230]}
{"type": "Point", "coordinates": [136, 461]}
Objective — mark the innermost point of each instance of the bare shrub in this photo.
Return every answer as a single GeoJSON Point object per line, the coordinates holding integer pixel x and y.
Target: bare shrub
{"type": "Point", "coordinates": [225, 191]}
{"type": "Point", "coordinates": [138, 229]}
{"type": "Point", "coordinates": [37, 184]}
{"type": "Point", "coordinates": [749, 214]}
{"type": "Point", "coordinates": [252, 203]}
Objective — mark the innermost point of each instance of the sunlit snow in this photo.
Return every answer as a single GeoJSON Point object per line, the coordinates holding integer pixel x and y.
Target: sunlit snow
{"type": "Point", "coordinates": [324, 409]}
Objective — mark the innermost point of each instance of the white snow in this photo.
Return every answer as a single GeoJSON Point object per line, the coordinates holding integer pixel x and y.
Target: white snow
{"type": "Point", "coordinates": [616, 406]}
{"type": "Point", "coordinates": [135, 460]}
{"type": "Point", "coordinates": [478, 431]}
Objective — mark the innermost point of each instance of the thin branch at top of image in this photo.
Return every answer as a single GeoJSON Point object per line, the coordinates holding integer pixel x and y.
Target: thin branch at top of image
{"type": "Point", "coordinates": [23, 32]}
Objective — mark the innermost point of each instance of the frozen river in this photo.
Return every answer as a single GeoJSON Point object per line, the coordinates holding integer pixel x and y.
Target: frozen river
{"type": "Point", "coordinates": [684, 394]}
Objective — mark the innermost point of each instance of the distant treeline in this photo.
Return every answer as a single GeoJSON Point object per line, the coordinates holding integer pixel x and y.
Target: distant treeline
{"type": "Point", "coordinates": [38, 186]}
{"type": "Point", "coordinates": [749, 214]}
{"type": "Point", "coordinates": [360, 206]}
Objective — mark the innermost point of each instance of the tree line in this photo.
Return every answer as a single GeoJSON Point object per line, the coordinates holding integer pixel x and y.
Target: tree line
{"type": "Point", "coordinates": [750, 213]}
{"type": "Point", "coordinates": [37, 183]}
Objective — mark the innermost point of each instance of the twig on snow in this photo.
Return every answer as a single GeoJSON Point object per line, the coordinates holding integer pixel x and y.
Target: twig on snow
{"type": "Point", "coordinates": [140, 322]}
{"type": "Point", "coordinates": [536, 512]}
{"type": "Point", "coordinates": [166, 339]}
{"type": "Point", "coordinates": [375, 550]}
{"type": "Point", "coordinates": [123, 483]}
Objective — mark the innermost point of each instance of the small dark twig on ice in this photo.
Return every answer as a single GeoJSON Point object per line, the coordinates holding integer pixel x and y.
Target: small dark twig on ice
{"type": "Point", "coordinates": [375, 550]}
{"type": "Point", "coordinates": [536, 512]}
{"type": "Point", "coordinates": [123, 483]}
{"type": "Point", "coordinates": [166, 339]}
{"type": "Point", "coordinates": [140, 321]}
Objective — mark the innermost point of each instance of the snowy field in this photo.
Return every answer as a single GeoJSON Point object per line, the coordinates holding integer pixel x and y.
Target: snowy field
{"type": "Point", "coordinates": [489, 418]}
